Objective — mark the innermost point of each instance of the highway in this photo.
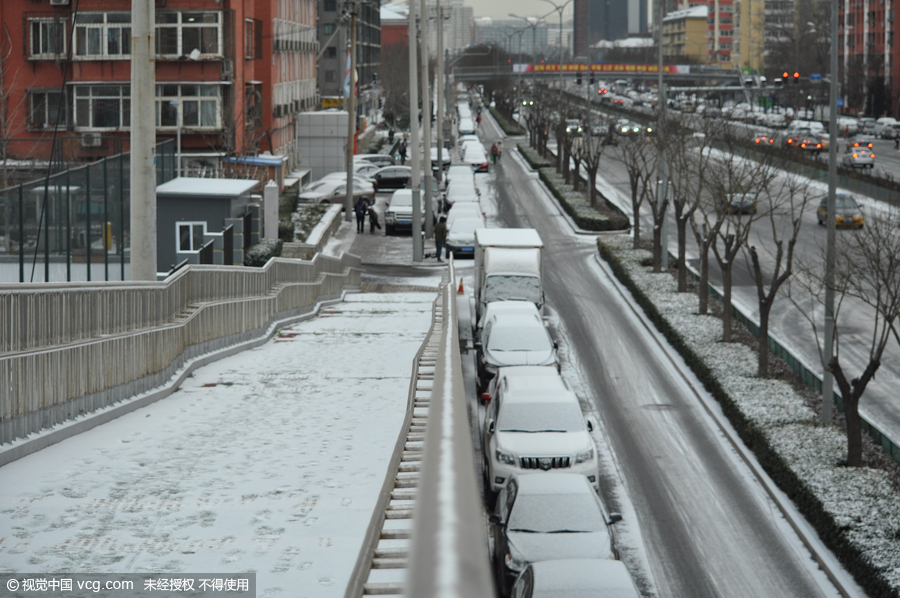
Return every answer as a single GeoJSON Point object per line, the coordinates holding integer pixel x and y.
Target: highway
{"type": "Point", "coordinates": [708, 528]}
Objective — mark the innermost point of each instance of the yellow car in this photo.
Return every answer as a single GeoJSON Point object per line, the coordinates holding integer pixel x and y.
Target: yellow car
{"type": "Point", "coordinates": [847, 212]}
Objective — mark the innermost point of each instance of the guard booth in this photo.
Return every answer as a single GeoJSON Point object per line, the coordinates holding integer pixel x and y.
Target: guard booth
{"type": "Point", "coordinates": [197, 217]}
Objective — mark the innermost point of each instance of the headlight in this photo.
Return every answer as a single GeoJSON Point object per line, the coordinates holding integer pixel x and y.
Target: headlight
{"type": "Point", "coordinates": [389, 215]}
{"type": "Point", "coordinates": [514, 564]}
{"type": "Point", "coordinates": [585, 456]}
{"type": "Point", "coordinates": [507, 458]}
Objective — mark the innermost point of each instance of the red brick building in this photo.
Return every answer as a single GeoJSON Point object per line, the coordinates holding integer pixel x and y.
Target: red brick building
{"type": "Point", "coordinates": [231, 73]}
{"type": "Point", "coordinates": [869, 57]}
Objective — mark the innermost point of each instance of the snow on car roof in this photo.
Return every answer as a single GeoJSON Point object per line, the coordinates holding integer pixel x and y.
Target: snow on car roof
{"type": "Point", "coordinates": [510, 237]}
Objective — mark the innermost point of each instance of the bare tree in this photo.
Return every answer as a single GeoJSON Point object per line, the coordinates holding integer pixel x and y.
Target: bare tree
{"type": "Point", "coordinates": [784, 212]}
{"type": "Point", "coordinates": [639, 158]}
{"type": "Point", "coordinates": [593, 144]}
{"type": "Point", "coordinates": [867, 269]}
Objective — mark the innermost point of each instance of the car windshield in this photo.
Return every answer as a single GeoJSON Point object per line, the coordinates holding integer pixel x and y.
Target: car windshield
{"type": "Point", "coordinates": [465, 226]}
{"type": "Point", "coordinates": [555, 513]}
{"type": "Point", "coordinates": [404, 199]}
{"type": "Point", "coordinates": [845, 202]}
{"type": "Point", "coordinates": [540, 417]}
{"type": "Point", "coordinates": [519, 338]}
{"type": "Point", "coordinates": [501, 287]}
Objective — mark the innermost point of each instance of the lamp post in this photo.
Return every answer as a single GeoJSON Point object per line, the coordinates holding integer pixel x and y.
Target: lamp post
{"type": "Point", "coordinates": [827, 379]}
{"type": "Point", "coordinates": [534, 25]}
{"type": "Point", "coordinates": [559, 8]}
{"type": "Point", "coordinates": [174, 104]}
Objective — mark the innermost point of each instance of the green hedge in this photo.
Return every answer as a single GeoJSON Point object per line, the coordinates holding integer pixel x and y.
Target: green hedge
{"type": "Point", "coordinates": [509, 127]}
{"type": "Point", "coordinates": [258, 255]}
{"type": "Point", "coordinates": [573, 202]}
{"type": "Point", "coordinates": [834, 537]}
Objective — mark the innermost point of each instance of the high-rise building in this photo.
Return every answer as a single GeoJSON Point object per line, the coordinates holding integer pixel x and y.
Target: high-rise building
{"type": "Point", "coordinates": [334, 37]}
{"type": "Point", "coordinates": [608, 20]}
{"type": "Point", "coordinates": [509, 32]}
{"type": "Point", "coordinates": [229, 75]}
{"type": "Point", "coordinates": [869, 57]}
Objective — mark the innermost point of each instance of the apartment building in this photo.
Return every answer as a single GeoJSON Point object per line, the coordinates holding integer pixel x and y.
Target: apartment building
{"type": "Point", "coordinates": [684, 33]}
{"type": "Point", "coordinates": [870, 65]}
{"type": "Point", "coordinates": [230, 75]}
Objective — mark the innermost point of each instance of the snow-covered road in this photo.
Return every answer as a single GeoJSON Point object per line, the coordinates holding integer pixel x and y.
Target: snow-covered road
{"type": "Point", "coordinates": [268, 461]}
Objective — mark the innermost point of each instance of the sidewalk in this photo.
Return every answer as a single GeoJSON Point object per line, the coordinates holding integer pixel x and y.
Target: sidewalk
{"type": "Point", "coordinates": [268, 461]}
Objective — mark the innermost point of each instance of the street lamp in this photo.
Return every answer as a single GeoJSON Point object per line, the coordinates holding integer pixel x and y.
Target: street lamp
{"type": "Point", "coordinates": [174, 104]}
{"type": "Point", "coordinates": [559, 8]}
{"type": "Point", "coordinates": [533, 22]}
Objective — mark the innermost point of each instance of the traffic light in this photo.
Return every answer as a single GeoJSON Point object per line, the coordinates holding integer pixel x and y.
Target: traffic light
{"type": "Point", "coordinates": [796, 78]}
{"type": "Point", "coordinates": [592, 77]}
{"type": "Point", "coordinates": [578, 79]}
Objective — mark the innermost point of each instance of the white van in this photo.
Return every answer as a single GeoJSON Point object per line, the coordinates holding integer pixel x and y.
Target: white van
{"type": "Point", "coordinates": [885, 122]}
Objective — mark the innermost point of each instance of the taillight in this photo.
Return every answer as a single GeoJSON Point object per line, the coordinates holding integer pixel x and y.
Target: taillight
{"type": "Point", "coordinates": [855, 156]}
{"type": "Point", "coordinates": [872, 156]}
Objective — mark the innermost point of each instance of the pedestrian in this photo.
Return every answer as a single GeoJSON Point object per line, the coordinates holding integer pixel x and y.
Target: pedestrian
{"type": "Point", "coordinates": [478, 120]}
{"type": "Point", "coordinates": [391, 136]}
{"type": "Point", "coordinates": [361, 208]}
{"type": "Point", "coordinates": [373, 220]}
{"type": "Point", "coordinates": [499, 150]}
{"type": "Point", "coordinates": [402, 152]}
{"type": "Point", "coordinates": [897, 143]}
{"type": "Point", "coordinates": [494, 153]}
{"type": "Point", "coordinates": [440, 236]}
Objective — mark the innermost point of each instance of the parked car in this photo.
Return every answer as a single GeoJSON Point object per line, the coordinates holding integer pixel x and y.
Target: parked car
{"type": "Point", "coordinates": [549, 516]}
{"type": "Point", "coordinates": [866, 125]}
{"type": "Point", "coordinates": [513, 339]}
{"type": "Point", "coordinates": [392, 177]}
{"type": "Point", "coordinates": [460, 190]}
{"type": "Point", "coordinates": [333, 191]}
{"type": "Point", "coordinates": [459, 171]}
{"type": "Point", "coordinates": [882, 123]}
{"type": "Point", "coordinates": [847, 211]}
{"type": "Point", "coordinates": [377, 159]}
{"type": "Point", "coordinates": [399, 211]}
{"type": "Point", "coordinates": [476, 156]}
{"type": "Point", "coordinates": [465, 209]}
{"type": "Point", "coordinates": [466, 126]}
{"type": "Point", "coordinates": [461, 236]}
{"type": "Point", "coordinates": [445, 158]}
{"type": "Point", "coordinates": [858, 157]}
{"type": "Point", "coordinates": [365, 168]}
{"type": "Point", "coordinates": [575, 578]}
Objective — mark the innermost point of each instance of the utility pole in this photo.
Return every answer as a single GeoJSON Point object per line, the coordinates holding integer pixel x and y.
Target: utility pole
{"type": "Point", "coordinates": [827, 378]}
{"type": "Point", "coordinates": [663, 161]}
{"type": "Point", "coordinates": [414, 133]}
{"type": "Point", "coordinates": [351, 115]}
{"type": "Point", "coordinates": [439, 80]}
{"type": "Point", "coordinates": [143, 141]}
{"type": "Point", "coordinates": [426, 123]}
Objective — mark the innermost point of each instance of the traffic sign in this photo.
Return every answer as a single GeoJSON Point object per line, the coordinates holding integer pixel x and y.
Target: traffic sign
{"type": "Point", "coordinates": [815, 76]}
{"type": "Point", "coordinates": [840, 102]}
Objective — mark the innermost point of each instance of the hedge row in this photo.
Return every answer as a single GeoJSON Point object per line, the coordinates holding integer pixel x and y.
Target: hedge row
{"type": "Point", "coordinates": [258, 255]}
{"type": "Point", "coordinates": [510, 128]}
{"type": "Point", "coordinates": [573, 202]}
{"type": "Point", "coordinates": [833, 535]}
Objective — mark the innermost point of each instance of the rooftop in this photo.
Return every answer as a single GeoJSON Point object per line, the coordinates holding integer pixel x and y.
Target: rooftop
{"type": "Point", "coordinates": [206, 187]}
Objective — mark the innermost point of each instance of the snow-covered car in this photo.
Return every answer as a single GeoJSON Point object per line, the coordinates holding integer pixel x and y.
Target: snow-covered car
{"type": "Point", "coordinates": [549, 516]}
{"type": "Point", "coordinates": [466, 126]}
{"type": "Point", "coordinates": [858, 157]}
{"type": "Point", "coordinates": [574, 578]}
{"type": "Point", "coordinates": [513, 339]}
{"type": "Point", "coordinates": [533, 423]}
{"type": "Point", "coordinates": [847, 211]}
{"type": "Point", "coordinates": [445, 158]}
{"type": "Point", "coordinates": [476, 156]}
{"type": "Point", "coordinates": [392, 177]}
{"type": "Point", "coordinates": [461, 236]}
{"type": "Point", "coordinates": [333, 191]}
{"type": "Point", "coordinates": [464, 209]}
{"type": "Point", "coordinates": [460, 190]}
{"type": "Point", "coordinates": [399, 211]}
{"type": "Point", "coordinates": [365, 168]}
{"type": "Point", "coordinates": [377, 159]}
{"type": "Point", "coordinates": [459, 171]}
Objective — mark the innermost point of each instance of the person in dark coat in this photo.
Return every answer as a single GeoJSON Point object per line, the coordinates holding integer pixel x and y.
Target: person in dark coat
{"type": "Point", "coordinates": [361, 209]}
{"type": "Point", "coordinates": [440, 236]}
{"type": "Point", "coordinates": [402, 152]}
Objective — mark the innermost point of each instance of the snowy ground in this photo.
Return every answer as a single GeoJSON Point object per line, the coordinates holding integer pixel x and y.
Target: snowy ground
{"type": "Point", "coordinates": [861, 499]}
{"type": "Point", "coordinates": [267, 461]}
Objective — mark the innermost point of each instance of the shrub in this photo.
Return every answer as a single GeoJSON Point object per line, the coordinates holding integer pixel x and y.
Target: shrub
{"type": "Point", "coordinates": [258, 255]}
{"type": "Point", "coordinates": [509, 127]}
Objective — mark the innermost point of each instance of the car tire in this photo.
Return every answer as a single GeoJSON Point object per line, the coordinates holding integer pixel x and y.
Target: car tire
{"type": "Point", "coordinates": [490, 497]}
{"type": "Point", "coordinates": [388, 230]}
{"type": "Point", "coordinates": [821, 222]}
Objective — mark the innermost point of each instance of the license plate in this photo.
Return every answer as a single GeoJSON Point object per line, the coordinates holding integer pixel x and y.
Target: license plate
{"type": "Point", "coordinates": [404, 221]}
{"type": "Point", "coordinates": [467, 249]}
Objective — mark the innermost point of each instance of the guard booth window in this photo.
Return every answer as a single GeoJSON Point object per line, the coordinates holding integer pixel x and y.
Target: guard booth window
{"type": "Point", "coordinates": [190, 235]}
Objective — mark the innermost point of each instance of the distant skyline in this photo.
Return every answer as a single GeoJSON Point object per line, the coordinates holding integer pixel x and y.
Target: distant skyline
{"type": "Point", "coordinates": [523, 8]}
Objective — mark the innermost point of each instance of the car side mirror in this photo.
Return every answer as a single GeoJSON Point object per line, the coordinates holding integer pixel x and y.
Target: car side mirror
{"type": "Point", "coordinates": [614, 518]}
{"type": "Point", "coordinates": [486, 397]}
{"type": "Point", "coordinates": [477, 345]}
{"type": "Point", "coordinates": [590, 425]}
{"type": "Point", "coordinates": [491, 426]}
{"type": "Point", "coordinates": [495, 519]}
{"type": "Point", "coordinates": [556, 345]}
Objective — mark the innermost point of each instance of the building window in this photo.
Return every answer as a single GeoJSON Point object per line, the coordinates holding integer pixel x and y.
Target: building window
{"type": "Point", "coordinates": [198, 105]}
{"type": "Point", "coordinates": [331, 52]}
{"type": "Point", "coordinates": [45, 109]}
{"type": "Point", "coordinates": [103, 35]}
{"type": "Point", "coordinates": [180, 33]}
{"type": "Point", "coordinates": [102, 106]}
{"type": "Point", "coordinates": [253, 39]}
{"type": "Point", "coordinates": [328, 28]}
{"type": "Point", "coordinates": [48, 38]}
{"type": "Point", "coordinates": [329, 76]}
{"type": "Point", "coordinates": [189, 235]}
{"type": "Point", "coordinates": [330, 5]}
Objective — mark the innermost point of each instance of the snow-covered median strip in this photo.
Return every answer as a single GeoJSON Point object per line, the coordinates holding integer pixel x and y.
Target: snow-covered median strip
{"type": "Point", "coordinates": [855, 510]}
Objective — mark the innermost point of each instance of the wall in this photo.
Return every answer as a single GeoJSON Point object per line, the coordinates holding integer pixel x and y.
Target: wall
{"type": "Point", "coordinates": [322, 138]}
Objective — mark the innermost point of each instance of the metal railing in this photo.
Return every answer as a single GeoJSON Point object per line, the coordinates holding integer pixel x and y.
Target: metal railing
{"type": "Point", "coordinates": [67, 350]}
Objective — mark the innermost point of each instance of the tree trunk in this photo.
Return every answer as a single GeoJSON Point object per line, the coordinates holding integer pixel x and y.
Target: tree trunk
{"type": "Point", "coordinates": [635, 208]}
{"type": "Point", "coordinates": [657, 247]}
{"type": "Point", "coordinates": [592, 189]}
{"type": "Point", "coordinates": [704, 279]}
{"type": "Point", "coordinates": [681, 223]}
{"type": "Point", "coordinates": [726, 302]}
{"type": "Point", "coordinates": [762, 369]}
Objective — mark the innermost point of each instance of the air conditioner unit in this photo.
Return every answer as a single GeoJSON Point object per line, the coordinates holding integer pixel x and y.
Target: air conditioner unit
{"type": "Point", "coordinates": [227, 70]}
{"type": "Point", "coordinates": [59, 2]}
{"type": "Point", "coordinates": [91, 140]}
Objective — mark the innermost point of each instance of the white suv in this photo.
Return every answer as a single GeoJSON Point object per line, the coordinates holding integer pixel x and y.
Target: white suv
{"type": "Point", "coordinates": [534, 423]}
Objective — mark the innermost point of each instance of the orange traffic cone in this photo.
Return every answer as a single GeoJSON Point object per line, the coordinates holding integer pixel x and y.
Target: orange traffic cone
{"type": "Point", "coordinates": [460, 291]}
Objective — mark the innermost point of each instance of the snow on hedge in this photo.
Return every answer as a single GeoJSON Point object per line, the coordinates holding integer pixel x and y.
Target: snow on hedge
{"type": "Point", "coordinates": [862, 501]}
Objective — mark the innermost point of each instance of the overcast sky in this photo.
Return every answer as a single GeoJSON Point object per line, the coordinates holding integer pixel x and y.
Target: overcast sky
{"type": "Point", "coordinates": [523, 8]}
